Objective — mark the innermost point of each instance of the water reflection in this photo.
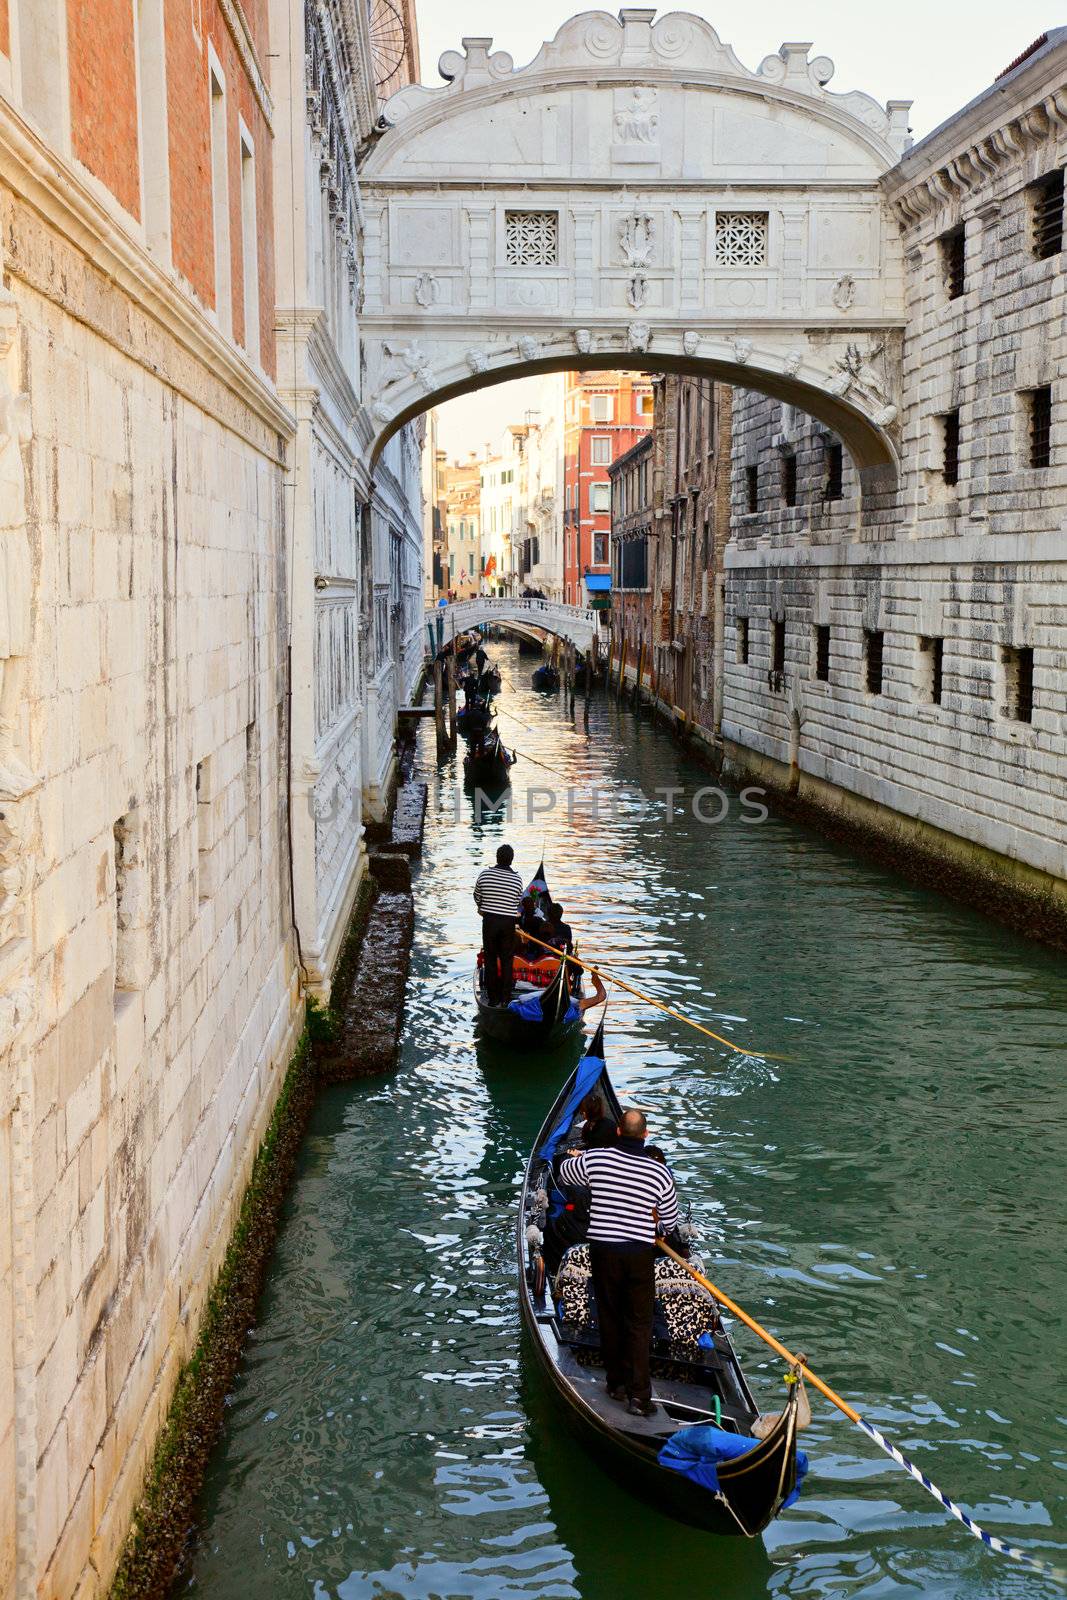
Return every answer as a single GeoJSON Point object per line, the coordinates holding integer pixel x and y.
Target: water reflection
{"type": "Point", "coordinates": [886, 1196]}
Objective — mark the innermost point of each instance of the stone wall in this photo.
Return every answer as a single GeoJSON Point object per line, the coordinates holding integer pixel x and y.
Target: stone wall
{"type": "Point", "coordinates": [148, 999]}
{"type": "Point", "coordinates": [978, 564]}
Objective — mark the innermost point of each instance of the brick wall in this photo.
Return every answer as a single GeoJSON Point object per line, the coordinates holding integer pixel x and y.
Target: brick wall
{"type": "Point", "coordinates": [103, 95]}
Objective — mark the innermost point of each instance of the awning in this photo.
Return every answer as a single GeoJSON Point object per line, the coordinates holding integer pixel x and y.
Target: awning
{"type": "Point", "coordinates": [597, 582]}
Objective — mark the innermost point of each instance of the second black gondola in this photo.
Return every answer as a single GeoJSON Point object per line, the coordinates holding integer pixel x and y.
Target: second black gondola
{"type": "Point", "coordinates": [721, 1477]}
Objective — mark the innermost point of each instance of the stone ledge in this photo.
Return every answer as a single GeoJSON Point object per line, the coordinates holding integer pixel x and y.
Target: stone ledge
{"type": "Point", "coordinates": [409, 818]}
{"type": "Point", "coordinates": [368, 1033]}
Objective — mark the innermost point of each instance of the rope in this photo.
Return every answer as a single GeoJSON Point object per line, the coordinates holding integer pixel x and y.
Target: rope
{"type": "Point", "coordinates": [612, 977]}
{"type": "Point", "coordinates": [1012, 1551]}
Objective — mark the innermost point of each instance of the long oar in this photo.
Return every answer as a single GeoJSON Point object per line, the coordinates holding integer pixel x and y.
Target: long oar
{"type": "Point", "coordinates": [602, 972]}
{"type": "Point", "coordinates": [1011, 1550]}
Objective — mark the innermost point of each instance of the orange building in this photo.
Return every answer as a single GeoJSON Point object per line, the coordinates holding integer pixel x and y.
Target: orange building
{"type": "Point", "coordinates": [604, 414]}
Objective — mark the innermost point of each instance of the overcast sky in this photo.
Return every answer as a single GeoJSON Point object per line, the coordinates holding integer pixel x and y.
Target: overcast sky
{"type": "Point", "coordinates": [938, 53]}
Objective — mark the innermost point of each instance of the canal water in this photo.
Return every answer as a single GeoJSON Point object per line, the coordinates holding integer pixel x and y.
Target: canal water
{"type": "Point", "coordinates": [888, 1196]}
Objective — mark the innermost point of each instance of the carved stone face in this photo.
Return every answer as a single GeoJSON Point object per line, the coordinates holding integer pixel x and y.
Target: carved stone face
{"type": "Point", "coordinates": [583, 340]}
{"type": "Point", "coordinates": [690, 342]}
{"type": "Point", "coordinates": [639, 335]}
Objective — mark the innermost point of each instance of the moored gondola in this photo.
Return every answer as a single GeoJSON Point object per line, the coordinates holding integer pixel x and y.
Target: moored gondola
{"type": "Point", "coordinates": [546, 679]}
{"type": "Point", "coordinates": [696, 1458]}
{"type": "Point", "coordinates": [488, 761]}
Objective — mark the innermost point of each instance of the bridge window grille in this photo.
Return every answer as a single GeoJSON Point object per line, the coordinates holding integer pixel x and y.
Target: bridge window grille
{"type": "Point", "coordinates": [873, 659]}
{"type": "Point", "coordinates": [531, 238]}
{"type": "Point", "coordinates": [741, 239]}
{"type": "Point", "coordinates": [1040, 409]}
{"type": "Point", "coordinates": [1047, 215]}
{"type": "Point", "coordinates": [953, 262]}
{"type": "Point", "coordinates": [822, 652]}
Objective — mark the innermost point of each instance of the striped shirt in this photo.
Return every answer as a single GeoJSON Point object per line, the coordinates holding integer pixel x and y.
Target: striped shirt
{"type": "Point", "coordinates": [628, 1186]}
{"type": "Point", "coordinates": [498, 892]}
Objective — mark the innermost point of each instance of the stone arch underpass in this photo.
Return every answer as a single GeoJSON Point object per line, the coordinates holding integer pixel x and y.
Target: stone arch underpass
{"type": "Point", "coordinates": [637, 197]}
{"type": "Point", "coordinates": [578, 624]}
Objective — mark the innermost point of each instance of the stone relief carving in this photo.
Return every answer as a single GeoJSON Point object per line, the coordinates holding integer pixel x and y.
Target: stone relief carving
{"type": "Point", "coordinates": [843, 293]}
{"type": "Point", "coordinates": [792, 362]}
{"type": "Point", "coordinates": [638, 122]}
{"type": "Point", "coordinates": [427, 289]}
{"type": "Point", "coordinates": [583, 341]}
{"type": "Point", "coordinates": [637, 291]}
{"type": "Point", "coordinates": [742, 350]}
{"type": "Point", "coordinates": [381, 412]}
{"type": "Point", "coordinates": [527, 347]}
{"type": "Point", "coordinates": [858, 371]}
{"type": "Point", "coordinates": [15, 431]}
{"type": "Point", "coordinates": [477, 360]}
{"type": "Point", "coordinates": [409, 361]}
{"type": "Point", "coordinates": [690, 342]}
{"type": "Point", "coordinates": [637, 238]}
{"type": "Point", "coordinates": [639, 336]}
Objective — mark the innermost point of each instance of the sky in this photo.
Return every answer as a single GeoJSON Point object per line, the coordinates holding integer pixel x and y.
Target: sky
{"type": "Point", "coordinates": [937, 53]}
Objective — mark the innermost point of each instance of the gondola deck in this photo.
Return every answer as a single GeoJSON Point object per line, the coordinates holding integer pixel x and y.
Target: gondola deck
{"type": "Point", "coordinates": [752, 1487]}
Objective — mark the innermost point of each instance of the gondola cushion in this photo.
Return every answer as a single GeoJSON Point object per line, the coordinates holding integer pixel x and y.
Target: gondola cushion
{"type": "Point", "coordinates": [528, 1007]}
{"type": "Point", "coordinates": [697, 1452]}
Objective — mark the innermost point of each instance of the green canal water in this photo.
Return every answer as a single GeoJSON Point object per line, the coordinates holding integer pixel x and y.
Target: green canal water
{"type": "Point", "coordinates": [888, 1197]}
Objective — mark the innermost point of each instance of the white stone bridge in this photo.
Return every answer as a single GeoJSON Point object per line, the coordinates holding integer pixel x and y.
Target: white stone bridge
{"type": "Point", "coordinates": [579, 624]}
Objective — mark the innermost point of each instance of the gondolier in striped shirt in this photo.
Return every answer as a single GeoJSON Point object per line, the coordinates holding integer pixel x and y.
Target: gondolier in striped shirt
{"type": "Point", "coordinates": [498, 896]}
{"type": "Point", "coordinates": [633, 1198]}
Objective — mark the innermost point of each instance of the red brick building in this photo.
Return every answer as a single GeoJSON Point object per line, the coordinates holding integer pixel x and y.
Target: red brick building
{"type": "Point", "coordinates": [604, 414]}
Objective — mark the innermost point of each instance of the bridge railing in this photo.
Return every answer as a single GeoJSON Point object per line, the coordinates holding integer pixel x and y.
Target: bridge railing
{"type": "Point", "coordinates": [552, 615]}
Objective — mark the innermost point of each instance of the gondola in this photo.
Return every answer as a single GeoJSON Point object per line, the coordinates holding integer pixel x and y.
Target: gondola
{"type": "Point", "coordinates": [546, 679]}
{"type": "Point", "coordinates": [695, 1385]}
{"type": "Point", "coordinates": [539, 1016]}
{"type": "Point", "coordinates": [488, 762]}
{"type": "Point", "coordinates": [474, 718]}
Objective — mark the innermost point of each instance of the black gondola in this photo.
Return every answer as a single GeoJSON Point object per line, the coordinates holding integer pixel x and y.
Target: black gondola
{"type": "Point", "coordinates": [559, 1013]}
{"type": "Point", "coordinates": [489, 761]}
{"type": "Point", "coordinates": [694, 1384]}
{"type": "Point", "coordinates": [546, 679]}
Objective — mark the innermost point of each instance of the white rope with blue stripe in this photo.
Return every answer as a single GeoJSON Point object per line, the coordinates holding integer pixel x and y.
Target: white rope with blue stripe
{"type": "Point", "coordinates": [1057, 1574]}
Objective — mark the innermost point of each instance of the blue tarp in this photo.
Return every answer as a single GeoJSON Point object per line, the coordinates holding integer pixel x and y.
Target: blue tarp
{"type": "Point", "coordinates": [597, 581]}
{"type": "Point", "coordinates": [696, 1452]}
{"type": "Point", "coordinates": [528, 1007]}
{"type": "Point", "coordinates": [586, 1079]}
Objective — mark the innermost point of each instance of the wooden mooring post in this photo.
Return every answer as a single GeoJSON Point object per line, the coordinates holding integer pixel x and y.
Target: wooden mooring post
{"type": "Point", "coordinates": [439, 702]}
{"type": "Point", "coordinates": [622, 668]}
{"type": "Point", "coordinates": [452, 698]}
{"type": "Point", "coordinates": [640, 668]}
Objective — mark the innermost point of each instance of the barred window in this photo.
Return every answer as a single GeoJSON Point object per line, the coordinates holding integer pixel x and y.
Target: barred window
{"type": "Point", "coordinates": [1039, 405]}
{"type": "Point", "coordinates": [950, 459]}
{"type": "Point", "coordinates": [532, 238]}
{"type": "Point", "coordinates": [932, 663]}
{"type": "Point", "coordinates": [953, 261]}
{"type": "Point", "coordinates": [742, 641]}
{"type": "Point", "coordinates": [752, 488]}
{"type": "Point", "coordinates": [833, 488]}
{"type": "Point", "coordinates": [741, 239]}
{"type": "Point", "coordinates": [1047, 215]}
{"type": "Point", "coordinates": [873, 656]}
{"type": "Point", "coordinates": [822, 652]}
{"type": "Point", "coordinates": [1018, 683]}
{"type": "Point", "coordinates": [789, 480]}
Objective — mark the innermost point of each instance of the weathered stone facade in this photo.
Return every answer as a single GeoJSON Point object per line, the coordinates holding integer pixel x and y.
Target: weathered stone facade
{"type": "Point", "coordinates": [908, 666]}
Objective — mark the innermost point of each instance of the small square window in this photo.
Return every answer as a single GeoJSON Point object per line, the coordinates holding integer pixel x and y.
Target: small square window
{"type": "Point", "coordinates": [953, 248]}
{"type": "Point", "coordinates": [932, 669]}
{"type": "Point", "coordinates": [1039, 425]}
{"type": "Point", "coordinates": [600, 451]}
{"type": "Point", "coordinates": [873, 653]}
{"type": "Point", "coordinates": [1046, 215]}
{"type": "Point", "coordinates": [741, 239]}
{"type": "Point", "coordinates": [601, 407]}
{"type": "Point", "coordinates": [1018, 663]}
{"type": "Point", "coordinates": [822, 652]}
{"type": "Point", "coordinates": [531, 238]}
{"type": "Point", "coordinates": [742, 641]}
{"type": "Point", "coordinates": [789, 480]}
{"type": "Point", "coordinates": [752, 488]}
{"type": "Point", "coordinates": [950, 451]}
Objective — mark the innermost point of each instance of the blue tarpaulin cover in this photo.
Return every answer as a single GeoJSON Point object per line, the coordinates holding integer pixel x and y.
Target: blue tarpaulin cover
{"type": "Point", "coordinates": [597, 581]}
{"type": "Point", "coordinates": [697, 1451]}
{"type": "Point", "coordinates": [528, 1007]}
{"type": "Point", "coordinates": [586, 1079]}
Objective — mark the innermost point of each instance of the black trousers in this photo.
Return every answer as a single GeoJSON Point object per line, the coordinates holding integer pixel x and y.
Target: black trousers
{"type": "Point", "coordinates": [498, 942]}
{"type": "Point", "coordinates": [624, 1282]}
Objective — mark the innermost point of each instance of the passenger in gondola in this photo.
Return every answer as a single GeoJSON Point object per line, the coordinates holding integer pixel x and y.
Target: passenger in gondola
{"type": "Point", "coordinates": [633, 1195]}
{"type": "Point", "coordinates": [598, 1129]}
{"type": "Point", "coordinates": [498, 896]}
{"type": "Point", "coordinates": [559, 932]}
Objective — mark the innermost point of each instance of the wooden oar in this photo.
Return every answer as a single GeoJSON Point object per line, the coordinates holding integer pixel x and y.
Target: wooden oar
{"type": "Point", "coordinates": [988, 1539]}
{"type": "Point", "coordinates": [680, 1016]}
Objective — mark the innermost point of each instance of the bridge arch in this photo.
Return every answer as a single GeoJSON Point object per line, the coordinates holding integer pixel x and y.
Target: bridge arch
{"type": "Point", "coordinates": [636, 197]}
{"type": "Point", "coordinates": [579, 624]}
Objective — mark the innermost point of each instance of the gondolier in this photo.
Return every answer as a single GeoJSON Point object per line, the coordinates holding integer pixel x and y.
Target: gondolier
{"type": "Point", "coordinates": [633, 1196]}
{"type": "Point", "coordinates": [498, 895]}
